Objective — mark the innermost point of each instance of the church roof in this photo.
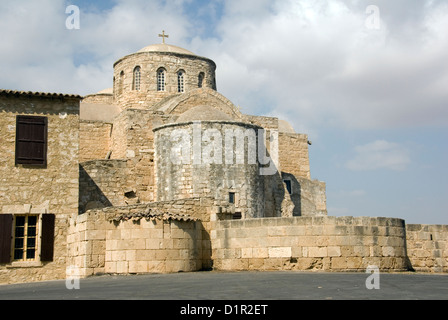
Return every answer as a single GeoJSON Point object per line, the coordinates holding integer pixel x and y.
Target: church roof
{"type": "Point", "coordinates": [38, 94]}
{"type": "Point", "coordinates": [106, 91]}
{"type": "Point", "coordinates": [163, 47]}
{"type": "Point", "coordinates": [203, 113]}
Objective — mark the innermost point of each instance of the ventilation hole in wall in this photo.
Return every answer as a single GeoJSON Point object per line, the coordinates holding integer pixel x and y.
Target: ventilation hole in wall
{"type": "Point", "coordinates": [430, 237]}
{"type": "Point", "coordinates": [237, 216]}
{"type": "Point", "coordinates": [130, 195]}
{"type": "Point", "coordinates": [293, 260]}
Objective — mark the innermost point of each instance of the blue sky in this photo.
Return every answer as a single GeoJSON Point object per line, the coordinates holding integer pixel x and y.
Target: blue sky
{"type": "Point", "coordinates": [370, 88]}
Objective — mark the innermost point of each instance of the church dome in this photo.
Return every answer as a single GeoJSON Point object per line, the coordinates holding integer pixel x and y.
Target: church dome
{"type": "Point", "coordinates": [162, 47]}
{"type": "Point", "coordinates": [203, 113]}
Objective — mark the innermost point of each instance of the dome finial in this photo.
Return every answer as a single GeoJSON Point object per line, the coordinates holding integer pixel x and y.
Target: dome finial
{"type": "Point", "coordinates": [163, 36]}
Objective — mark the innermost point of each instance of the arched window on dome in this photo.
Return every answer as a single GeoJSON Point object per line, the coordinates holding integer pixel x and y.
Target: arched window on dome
{"type": "Point", "coordinates": [120, 83]}
{"type": "Point", "coordinates": [181, 81]}
{"type": "Point", "coordinates": [137, 79]}
{"type": "Point", "coordinates": [161, 78]}
{"type": "Point", "coordinates": [201, 80]}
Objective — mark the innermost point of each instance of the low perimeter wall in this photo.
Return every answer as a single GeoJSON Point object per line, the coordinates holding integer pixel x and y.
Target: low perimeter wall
{"type": "Point", "coordinates": [427, 247]}
{"type": "Point", "coordinates": [160, 237]}
{"type": "Point", "coordinates": [310, 243]}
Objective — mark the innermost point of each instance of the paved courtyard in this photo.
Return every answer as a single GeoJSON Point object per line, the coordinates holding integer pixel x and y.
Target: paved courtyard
{"type": "Point", "coordinates": [283, 285]}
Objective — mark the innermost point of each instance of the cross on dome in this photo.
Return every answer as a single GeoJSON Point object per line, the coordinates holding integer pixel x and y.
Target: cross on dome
{"type": "Point", "coordinates": [163, 36]}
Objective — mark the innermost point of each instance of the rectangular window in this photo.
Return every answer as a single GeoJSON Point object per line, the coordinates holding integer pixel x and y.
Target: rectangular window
{"type": "Point", "coordinates": [231, 197]}
{"type": "Point", "coordinates": [31, 140]}
{"type": "Point", "coordinates": [25, 235]}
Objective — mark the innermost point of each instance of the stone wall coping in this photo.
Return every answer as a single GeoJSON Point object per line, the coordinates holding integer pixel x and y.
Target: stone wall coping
{"type": "Point", "coordinates": [245, 124]}
{"type": "Point", "coordinates": [153, 215]}
{"type": "Point", "coordinates": [312, 221]}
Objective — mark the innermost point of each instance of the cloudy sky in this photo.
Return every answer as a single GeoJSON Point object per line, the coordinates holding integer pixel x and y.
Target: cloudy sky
{"type": "Point", "coordinates": [366, 80]}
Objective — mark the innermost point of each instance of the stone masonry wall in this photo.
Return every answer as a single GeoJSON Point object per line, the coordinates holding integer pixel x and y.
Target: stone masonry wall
{"type": "Point", "coordinates": [427, 247]}
{"type": "Point", "coordinates": [103, 183]}
{"type": "Point", "coordinates": [293, 154]}
{"type": "Point", "coordinates": [94, 140]}
{"type": "Point", "coordinates": [37, 186]}
{"type": "Point", "coordinates": [133, 139]}
{"type": "Point", "coordinates": [310, 243]}
{"type": "Point", "coordinates": [97, 243]}
{"type": "Point", "coordinates": [40, 190]}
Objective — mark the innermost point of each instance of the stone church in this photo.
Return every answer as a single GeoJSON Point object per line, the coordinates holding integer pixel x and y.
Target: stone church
{"type": "Point", "coordinates": [161, 173]}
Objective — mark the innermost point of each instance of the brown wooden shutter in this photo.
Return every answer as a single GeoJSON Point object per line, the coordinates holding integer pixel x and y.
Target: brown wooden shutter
{"type": "Point", "coordinates": [47, 240]}
{"type": "Point", "coordinates": [5, 237]}
{"type": "Point", "coordinates": [31, 140]}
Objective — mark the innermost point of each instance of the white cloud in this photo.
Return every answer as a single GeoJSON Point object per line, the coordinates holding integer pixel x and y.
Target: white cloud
{"type": "Point", "coordinates": [312, 60]}
{"type": "Point", "coordinates": [317, 62]}
{"type": "Point", "coordinates": [39, 53]}
{"type": "Point", "coordinates": [379, 154]}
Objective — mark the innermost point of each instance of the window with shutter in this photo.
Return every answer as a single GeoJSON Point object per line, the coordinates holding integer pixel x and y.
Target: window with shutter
{"type": "Point", "coordinates": [5, 237]}
{"type": "Point", "coordinates": [31, 140]}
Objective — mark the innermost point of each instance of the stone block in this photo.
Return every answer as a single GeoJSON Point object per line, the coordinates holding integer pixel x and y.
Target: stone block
{"type": "Point", "coordinates": [138, 266]}
{"type": "Point", "coordinates": [274, 263]}
{"type": "Point", "coordinates": [110, 267]}
{"type": "Point", "coordinates": [256, 264]}
{"type": "Point", "coordinates": [354, 263]}
{"type": "Point", "coordinates": [280, 252]}
{"type": "Point", "coordinates": [317, 252]}
{"type": "Point", "coordinates": [388, 251]}
{"type": "Point", "coordinates": [156, 266]}
{"type": "Point", "coordinates": [122, 267]}
{"type": "Point", "coordinates": [246, 253]}
{"type": "Point", "coordinates": [334, 251]}
{"type": "Point", "coordinates": [260, 253]}
{"type": "Point", "coordinates": [339, 263]}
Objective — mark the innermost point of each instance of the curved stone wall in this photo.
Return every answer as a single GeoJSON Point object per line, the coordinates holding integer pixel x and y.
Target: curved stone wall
{"type": "Point", "coordinates": [310, 243]}
{"type": "Point", "coordinates": [194, 160]}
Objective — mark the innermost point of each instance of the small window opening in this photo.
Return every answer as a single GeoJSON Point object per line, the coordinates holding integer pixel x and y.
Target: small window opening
{"type": "Point", "coordinates": [161, 80]}
{"type": "Point", "coordinates": [201, 80]}
{"type": "Point", "coordinates": [137, 78]}
{"type": "Point", "coordinates": [288, 185]}
{"type": "Point", "coordinates": [120, 82]}
{"type": "Point", "coordinates": [180, 81]}
{"type": "Point", "coordinates": [231, 197]}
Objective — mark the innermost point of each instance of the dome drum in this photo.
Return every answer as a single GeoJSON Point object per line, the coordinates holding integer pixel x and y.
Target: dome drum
{"type": "Point", "coordinates": [150, 75]}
